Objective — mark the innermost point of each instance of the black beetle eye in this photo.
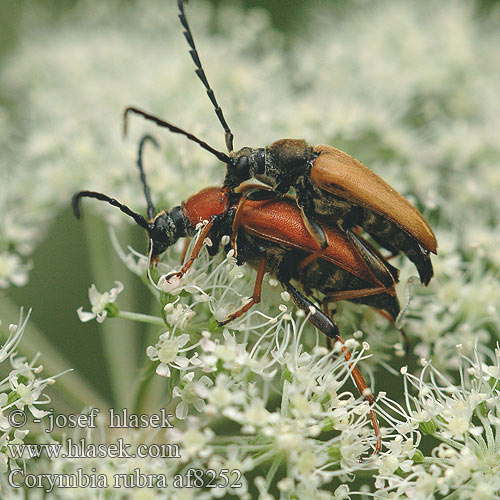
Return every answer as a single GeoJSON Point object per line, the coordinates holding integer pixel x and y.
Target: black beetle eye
{"type": "Point", "coordinates": [242, 167]}
{"type": "Point", "coordinates": [157, 234]}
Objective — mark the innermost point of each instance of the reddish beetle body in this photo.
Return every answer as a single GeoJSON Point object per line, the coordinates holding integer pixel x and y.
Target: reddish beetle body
{"type": "Point", "coordinates": [272, 230]}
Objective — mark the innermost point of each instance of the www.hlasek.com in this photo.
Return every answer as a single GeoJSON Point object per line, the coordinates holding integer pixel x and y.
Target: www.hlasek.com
{"type": "Point", "coordinates": [81, 449]}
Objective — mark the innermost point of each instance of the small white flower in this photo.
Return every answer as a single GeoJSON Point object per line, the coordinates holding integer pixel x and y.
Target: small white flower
{"type": "Point", "coordinates": [12, 270]}
{"type": "Point", "coordinates": [167, 352]}
{"type": "Point", "coordinates": [172, 285]}
{"type": "Point", "coordinates": [194, 440]}
{"type": "Point", "coordinates": [191, 392]}
{"type": "Point", "coordinates": [178, 315]}
{"type": "Point", "coordinates": [100, 302]}
{"type": "Point", "coordinates": [223, 394]}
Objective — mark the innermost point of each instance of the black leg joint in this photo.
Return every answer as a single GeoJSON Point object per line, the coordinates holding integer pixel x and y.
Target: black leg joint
{"type": "Point", "coordinates": [318, 318]}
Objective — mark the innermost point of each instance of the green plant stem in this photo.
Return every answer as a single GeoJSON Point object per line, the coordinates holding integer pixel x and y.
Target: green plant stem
{"type": "Point", "coordinates": [284, 398]}
{"type": "Point", "coordinates": [456, 494]}
{"type": "Point", "coordinates": [141, 318]}
{"type": "Point", "coordinates": [451, 442]}
{"type": "Point", "coordinates": [272, 471]}
{"type": "Point", "coordinates": [437, 461]}
{"type": "Point", "coordinates": [141, 394]}
{"type": "Point", "coordinates": [265, 457]}
{"type": "Point", "coordinates": [118, 337]}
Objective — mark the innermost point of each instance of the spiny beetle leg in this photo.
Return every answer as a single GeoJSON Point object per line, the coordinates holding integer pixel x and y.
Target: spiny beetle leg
{"type": "Point", "coordinates": [185, 249]}
{"type": "Point", "coordinates": [196, 250]}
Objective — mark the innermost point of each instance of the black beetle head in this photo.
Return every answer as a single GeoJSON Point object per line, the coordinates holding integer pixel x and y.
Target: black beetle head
{"type": "Point", "coordinates": [244, 164]}
{"type": "Point", "coordinates": [166, 229]}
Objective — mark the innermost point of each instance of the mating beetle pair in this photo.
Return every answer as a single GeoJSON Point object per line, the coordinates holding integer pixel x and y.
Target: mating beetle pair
{"type": "Point", "coordinates": [330, 185]}
{"type": "Point", "coordinates": [273, 238]}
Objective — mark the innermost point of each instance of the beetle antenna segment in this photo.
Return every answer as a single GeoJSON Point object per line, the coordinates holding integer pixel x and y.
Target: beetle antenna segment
{"type": "Point", "coordinates": [176, 130]}
{"type": "Point", "coordinates": [75, 203]}
{"type": "Point", "coordinates": [151, 208]}
{"type": "Point", "coordinates": [201, 75]}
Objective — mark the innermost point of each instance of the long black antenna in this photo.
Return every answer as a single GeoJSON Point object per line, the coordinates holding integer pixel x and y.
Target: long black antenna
{"type": "Point", "coordinates": [151, 208]}
{"type": "Point", "coordinates": [75, 203]}
{"type": "Point", "coordinates": [201, 75]}
{"type": "Point", "coordinates": [176, 130]}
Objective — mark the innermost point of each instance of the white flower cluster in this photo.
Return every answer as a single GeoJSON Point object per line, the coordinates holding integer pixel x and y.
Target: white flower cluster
{"type": "Point", "coordinates": [100, 302]}
{"type": "Point", "coordinates": [463, 421]}
{"type": "Point", "coordinates": [21, 389]}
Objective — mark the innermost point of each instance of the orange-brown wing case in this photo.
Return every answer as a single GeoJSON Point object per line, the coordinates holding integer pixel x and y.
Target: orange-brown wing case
{"type": "Point", "coordinates": [204, 204]}
{"type": "Point", "coordinates": [344, 176]}
{"type": "Point", "coordinates": [280, 221]}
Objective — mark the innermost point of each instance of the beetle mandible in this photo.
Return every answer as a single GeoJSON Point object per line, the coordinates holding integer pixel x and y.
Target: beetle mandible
{"type": "Point", "coordinates": [331, 186]}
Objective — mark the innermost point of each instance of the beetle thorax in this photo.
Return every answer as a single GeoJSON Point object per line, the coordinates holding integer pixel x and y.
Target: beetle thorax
{"type": "Point", "coordinates": [286, 161]}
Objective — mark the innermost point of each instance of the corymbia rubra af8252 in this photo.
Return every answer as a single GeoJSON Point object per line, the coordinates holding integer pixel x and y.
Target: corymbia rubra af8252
{"type": "Point", "coordinates": [331, 187]}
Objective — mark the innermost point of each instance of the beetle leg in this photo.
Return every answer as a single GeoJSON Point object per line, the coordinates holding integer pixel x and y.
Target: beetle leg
{"type": "Point", "coordinates": [225, 192]}
{"type": "Point", "coordinates": [185, 249]}
{"type": "Point", "coordinates": [382, 271]}
{"type": "Point", "coordinates": [246, 193]}
{"type": "Point", "coordinates": [354, 294]}
{"type": "Point", "coordinates": [328, 327]}
{"type": "Point", "coordinates": [196, 250]}
{"type": "Point", "coordinates": [318, 235]}
{"type": "Point", "coordinates": [307, 210]}
{"type": "Point", "coordinates": [249, 189]}
{"type": "Point", "coordinates": [256, 296]}
{"type": "Point", "coordinates": [380, 241]}
{"type": "Point", "coordinates": [391, 255]}
{"type": "Point", "coordinates": [236, 224]}
{"type": "Point", "coordinates": [329, 344]}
